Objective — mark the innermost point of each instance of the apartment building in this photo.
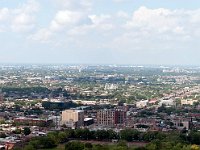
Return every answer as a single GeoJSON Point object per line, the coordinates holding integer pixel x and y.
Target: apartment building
{"type": "Point", "coordinates": [111, 117]}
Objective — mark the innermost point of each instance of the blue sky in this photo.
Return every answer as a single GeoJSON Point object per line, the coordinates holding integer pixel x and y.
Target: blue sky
{"type": "Point", "coordinates": [100, 31]}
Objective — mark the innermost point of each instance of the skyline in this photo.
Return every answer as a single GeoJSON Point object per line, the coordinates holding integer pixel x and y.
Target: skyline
{"type": "Point", "coordinates": [145, 32]}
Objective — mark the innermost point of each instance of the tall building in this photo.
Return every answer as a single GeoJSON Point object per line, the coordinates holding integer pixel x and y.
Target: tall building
{"type": "Point", "coordinates": [1, 96]}
{"type": "Point", "coordinates": [111, 117]}
{"type": "Point", "coordinates": [73, 118]}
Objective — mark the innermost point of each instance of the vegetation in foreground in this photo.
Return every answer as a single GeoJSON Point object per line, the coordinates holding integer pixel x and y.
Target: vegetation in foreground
{"type": "Point", "coordinates": [69, 140]}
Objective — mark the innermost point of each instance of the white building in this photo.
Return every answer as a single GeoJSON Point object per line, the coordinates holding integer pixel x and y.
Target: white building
{"type": "Point", "coordinates": [142, 103]}
{"type": "Point", "coordinates": [188, 101]}
{"type": "Point", "coordinates": [110, 86]}
{"type": "Point", "coordinates": [167, 102]}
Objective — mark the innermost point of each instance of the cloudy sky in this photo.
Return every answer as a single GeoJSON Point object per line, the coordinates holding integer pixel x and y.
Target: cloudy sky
{"type": "Point", "coordinates": [100, 31]}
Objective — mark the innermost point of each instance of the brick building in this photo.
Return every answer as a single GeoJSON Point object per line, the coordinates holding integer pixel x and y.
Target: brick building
{"type": "Point", "coordinates": [111, 117]}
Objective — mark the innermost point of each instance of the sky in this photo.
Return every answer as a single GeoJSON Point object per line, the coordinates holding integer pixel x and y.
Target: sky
{"type": "Point", "coordinates": [153, 32]}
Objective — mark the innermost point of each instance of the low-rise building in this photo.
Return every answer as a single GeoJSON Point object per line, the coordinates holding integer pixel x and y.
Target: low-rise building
{"type": "Point", "coordinates": [188, 101]}
{"type": "Point", "coordinates": [141, 104]}
{"type": "Point", "coordinates": [32, 121]}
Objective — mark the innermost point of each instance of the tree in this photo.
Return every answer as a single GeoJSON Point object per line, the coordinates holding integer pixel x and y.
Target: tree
{"type": "Point", "coordinates": [26, 131]}
{"type": "Point", "coordinates": [195, 147]}
{"type": "Point", "coordinates": [151, 146]}
{"type": "Point", "coordinates": [62, 136]}
{"type": "Point", "coordinates": [129, 135]}
{"type": "Point", "coordinates": [88, 145]}
{"type": "Point", "coordinates": [70, 133]}
{"type": "Point", "coordinates": [112, 134]}
{"type": "Point", "coordinates": [29, 147]}
{"type": "Point", "coordinates": [47, 142]}
{"type": "Point", "coordinates": [35, 143]}
{"type": "Point", "coordinates": [194, 137]}
{"type": "Point", "coordinates": [100, 147]}
{"type": "Point", "coordinates": [53, 136]}
{"type": "Point", "coordinates": [101, 134]}
{"type": "Point", "coordinates": [122, 144]}
{"type": "Point", "coordinates": [75, 145]}
{"type": "Point", "coordinates": [2, 135]}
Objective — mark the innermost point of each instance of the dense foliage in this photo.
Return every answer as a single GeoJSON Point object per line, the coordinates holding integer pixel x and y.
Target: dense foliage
{"type": "Point", "coordinates": [155, 140]}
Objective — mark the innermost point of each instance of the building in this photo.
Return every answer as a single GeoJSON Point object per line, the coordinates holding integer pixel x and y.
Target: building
{"type": "Point", "coordinates": [52, 104]}
{"type": "Point", "coordinates": [111, 117]}
{"type": "Point", "coordinates": [188, 102]}
{"type": "Point", "coordinates": [181, 124]}
{"type": "Point", "coordinates": [56, 120]}
{"type": "Point", "coordinates": [110, 86]}
{"type": "Point", "coordinates": [73, 118]}
{"type": "Point", "coordinates": [32, 121]}
{"type": "Point", "coordinates": [167, 102]}
{"type": "Point", "coordinates": [88, 121]}
{"type": "Point", "coordinates": [142, 103]}
{"type": "Point", "coordinates": [1, 96]}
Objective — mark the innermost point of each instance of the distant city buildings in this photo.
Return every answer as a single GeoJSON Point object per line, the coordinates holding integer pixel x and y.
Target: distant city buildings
{"type": "Point", "coordinates": [97, 98]}
{"type": "Point", "coordinates": [110, 86]}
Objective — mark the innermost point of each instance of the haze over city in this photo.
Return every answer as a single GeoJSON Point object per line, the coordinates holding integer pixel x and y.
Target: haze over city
{"type": "Point", "coordinates": [100, 31]}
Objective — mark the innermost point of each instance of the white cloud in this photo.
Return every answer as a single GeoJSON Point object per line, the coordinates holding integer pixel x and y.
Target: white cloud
{"type": "Point", "coordinates": [74, 4]}
{"type": "Point", "coordinates": [20, 19]}
{"type": "Point", "coordinates": [65, 18]}
{"type": "Point", "coordinates": [31, 6]}
{"type": "Point", "coordinates": [23, 17]}
{"type": "Point", "coordinates": [122, 14]}
{"type": "Point", "coordinates": [63, 22]}
{"type": "Point", "coordinates": [79, 30]}
{"type": "Point", "coordinates": [4, 13]}
{"type": "Point", "coordinates": [157, 30]}
{"type": "Point", "coordinates": [120, 1]}
{"type": "Point", "coordinates": [165, 21]}
{"type": "Point", "coordinates": [144, 29]}
{"type": "Point", "coordinates": [23, 22]}
{"type": "Point", "coordinates": [153, 19]}
{"type": "Point", "coordinates": [99, 19]}
{"type": "Point", "coordinates": [71, 17]}
{"type": "Point", "coordinates": [42, 35]}
{"type": "Point", "coordinates": [101, 22]}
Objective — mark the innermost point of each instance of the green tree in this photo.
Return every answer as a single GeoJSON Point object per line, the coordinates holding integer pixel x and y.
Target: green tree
{"type": "Point", "coordinates": [47, 142]}
{"type": "Point", "coordinates": [29, 147]}
{"type": "Point", "coordinates": [129, 135]}
{"type": "Point", "coordinates": [26, 131]}
{"type": "Point", "coordinates": [75, 145]}
{"type": "Point", "coordinates": [88, 145]}
{"type": "Point", "coordinates": [101, 134]}
{"type": "Point", "coordinates": [112, 134]}
{"type": "Point", "coordinates": [122, 143]}
{"type": "Point", "coordinates": [62, 136]}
